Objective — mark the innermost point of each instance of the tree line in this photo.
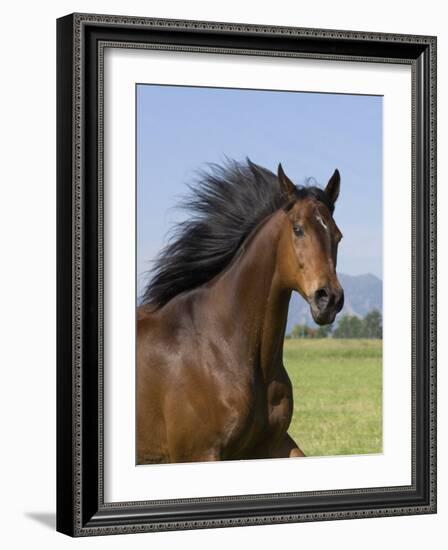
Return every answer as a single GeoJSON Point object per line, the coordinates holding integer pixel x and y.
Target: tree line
{"type": "Point", "coordinates": [348, 326]}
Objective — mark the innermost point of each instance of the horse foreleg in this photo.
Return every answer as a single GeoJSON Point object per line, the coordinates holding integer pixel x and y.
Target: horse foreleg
{"type": "Point", "coordinates": [287, 448]}
{"type": "Point", "coordinates": [187, 453]}
{"type": "Point", "coordinates": [194, 457]}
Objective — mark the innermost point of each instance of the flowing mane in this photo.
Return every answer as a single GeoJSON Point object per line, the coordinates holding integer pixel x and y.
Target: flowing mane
{"type": "Point", "coordinates": [226, 204]}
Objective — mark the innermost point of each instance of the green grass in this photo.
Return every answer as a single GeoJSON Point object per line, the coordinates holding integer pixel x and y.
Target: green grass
{"type": "Point", "coordinates": [337, 395]}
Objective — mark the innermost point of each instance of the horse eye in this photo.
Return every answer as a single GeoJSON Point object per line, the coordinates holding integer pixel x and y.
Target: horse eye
{"type": "Point", "coordinates": [298, 231]}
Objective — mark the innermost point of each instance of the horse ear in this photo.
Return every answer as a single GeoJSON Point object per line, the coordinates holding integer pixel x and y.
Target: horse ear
{"type": "Point", "coordinates": [286, 185]}
{"type": "Point", "coordinates": [333, 186]}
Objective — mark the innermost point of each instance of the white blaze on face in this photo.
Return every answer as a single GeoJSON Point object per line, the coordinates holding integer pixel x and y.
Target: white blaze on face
{"type": "Point", "coordinates": [321, 221]}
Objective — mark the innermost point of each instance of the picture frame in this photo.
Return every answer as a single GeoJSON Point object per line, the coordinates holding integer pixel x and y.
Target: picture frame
{"type": "Point", "coordinates": [81, 506]}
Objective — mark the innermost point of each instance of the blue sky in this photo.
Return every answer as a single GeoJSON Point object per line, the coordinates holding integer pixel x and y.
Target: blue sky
{"type": "Point", "coordinates": [180, 129]}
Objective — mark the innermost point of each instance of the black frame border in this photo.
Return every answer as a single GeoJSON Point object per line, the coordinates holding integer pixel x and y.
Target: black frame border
{"type": "Point", "coordinates": [81, 39]}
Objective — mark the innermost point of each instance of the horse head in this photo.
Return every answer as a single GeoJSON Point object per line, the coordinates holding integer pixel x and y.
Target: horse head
{"type": "Point", "coordinates": [309, 245]}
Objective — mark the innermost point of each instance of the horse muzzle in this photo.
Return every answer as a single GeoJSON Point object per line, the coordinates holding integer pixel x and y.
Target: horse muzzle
{"type": "Point", "coordinates": [325, 304]}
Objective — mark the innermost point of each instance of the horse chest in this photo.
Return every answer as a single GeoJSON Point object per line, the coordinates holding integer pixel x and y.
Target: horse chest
{"type": "Point", "coordinates": [262, 418]}
{"type": "Point", "coordinates": [279, 406]}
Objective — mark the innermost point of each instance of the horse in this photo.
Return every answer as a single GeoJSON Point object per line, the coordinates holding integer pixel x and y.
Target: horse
{"type": "Point", "coordinates": [211, 384]}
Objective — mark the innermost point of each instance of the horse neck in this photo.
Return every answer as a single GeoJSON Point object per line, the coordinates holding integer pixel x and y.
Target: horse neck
{"type": "Point", "coordinates": [253, 300]}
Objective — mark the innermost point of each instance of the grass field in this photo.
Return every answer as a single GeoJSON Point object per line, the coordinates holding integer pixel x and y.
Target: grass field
{"type": "Point", "coordinates": [337, 395]}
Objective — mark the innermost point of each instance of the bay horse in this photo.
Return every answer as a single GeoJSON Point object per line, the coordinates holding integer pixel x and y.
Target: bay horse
{"type": "Point", "coordinates": [211, 384]}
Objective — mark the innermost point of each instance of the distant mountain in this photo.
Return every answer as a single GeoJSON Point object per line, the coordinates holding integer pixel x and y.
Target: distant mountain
{"type": "Point", "coordinates": [362, 294]}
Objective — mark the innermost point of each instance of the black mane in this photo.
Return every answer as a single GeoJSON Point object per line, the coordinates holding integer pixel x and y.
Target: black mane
{"type": "Point", "coordinates": [226, 204]}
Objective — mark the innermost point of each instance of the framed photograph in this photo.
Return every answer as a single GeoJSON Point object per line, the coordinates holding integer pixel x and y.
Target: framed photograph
{"type": "Point", "coordinates": [246, 274]}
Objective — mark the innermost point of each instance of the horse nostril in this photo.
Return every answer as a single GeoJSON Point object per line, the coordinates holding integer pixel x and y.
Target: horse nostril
{"type": "Point", "coordinates": [321, 298]}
